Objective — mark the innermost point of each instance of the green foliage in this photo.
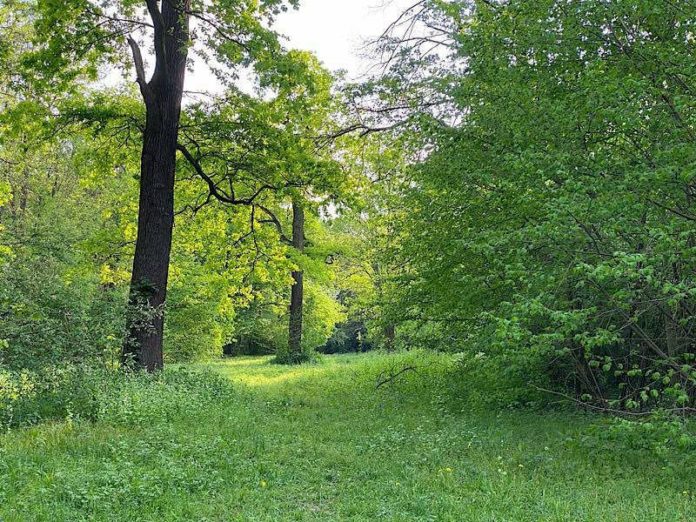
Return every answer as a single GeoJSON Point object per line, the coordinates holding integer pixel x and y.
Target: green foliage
{"type": "Point", "coordinates": [51, 393]}
{"type": "Point", "coordinates": [661, 434]}
{"type": "Point", "coordinates": [92, 393]}
{"type": "Point", "coordinates": [140, 399]}
{"type": "Point", "coordinates": [499, 380]}
{"type": "Point", "coordinates": [69, 209]}
{"type": "Point", "coordinates": [347, 337]}
{"type": "Point", "coordinates": [515, 199]}
{"type": "Point", "coordinates": [55, 303]}
{"type": "Point", "coordinates": [72, 39]}
{"type": "Point", "coordinates": [522, 195]}
{"type": "Point", "coordinates": [553, 215]}
{"type": "Point", "coordinates": [264, 145]}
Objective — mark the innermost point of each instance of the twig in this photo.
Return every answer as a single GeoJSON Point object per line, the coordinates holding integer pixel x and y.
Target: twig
{"type": "Point", "coordinates": [393, 376]}
{"type": "Point", "coordinates": [612, 410]}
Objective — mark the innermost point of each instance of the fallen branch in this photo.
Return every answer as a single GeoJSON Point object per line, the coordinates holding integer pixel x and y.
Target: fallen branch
{"type": "Point", "coordinates": [393, 376]}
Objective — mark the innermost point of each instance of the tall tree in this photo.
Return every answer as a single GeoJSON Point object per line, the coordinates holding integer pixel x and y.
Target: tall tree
{"type": "Point", "coordinates": [262, 153]}
{"type": "Point", "coordinates": [74, 38]}
{"type": "Point", "coordinates": [162, 96]}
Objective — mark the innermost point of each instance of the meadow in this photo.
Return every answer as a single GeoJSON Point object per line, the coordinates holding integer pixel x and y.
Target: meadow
{"type": "Point", "coordinates": [243, 439]}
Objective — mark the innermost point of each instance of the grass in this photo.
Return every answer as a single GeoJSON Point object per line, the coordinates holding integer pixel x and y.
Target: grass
{"type": "Point", "coordinates": [321, 442]}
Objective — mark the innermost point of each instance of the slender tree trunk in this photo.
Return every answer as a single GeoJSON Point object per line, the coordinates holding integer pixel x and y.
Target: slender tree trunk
{"type": "Point", "coordinates": [390, 336]}
{"type": "Point", "coordinates": [297, 293]}
{"type": "Point", "coordinates": [162, 96]}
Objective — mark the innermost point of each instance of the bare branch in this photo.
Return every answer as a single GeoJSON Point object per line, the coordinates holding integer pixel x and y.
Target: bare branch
{"type": "Point", "coordinates": [674, 211]}
{"type": "Point", "coordinates": [160, 36]}
{"type": "Point", "coordinates": [139, 67]}
{"type": "Point", "coordinates": [274, 221]}
{"type": "Point", "coordinates": [612, 411]}
{"type": "Point", "coordinates": [218, 29]}
{"type": "Point", "coordinates": [393, 376]}
{"type": "Point", "coordinates": [212, 187]}
{"type": "Point", "coordinates": [116, 19]}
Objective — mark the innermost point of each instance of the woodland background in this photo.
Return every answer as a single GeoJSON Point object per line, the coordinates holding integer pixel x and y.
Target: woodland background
{"type": "Point", "coordinates": [516, 185]}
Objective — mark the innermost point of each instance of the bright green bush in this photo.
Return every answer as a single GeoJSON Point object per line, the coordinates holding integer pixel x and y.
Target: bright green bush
{"type": "Point", "coordinates": [660, 436]}
{"type": "Point", "coordinates": [93, 393]}
{"type": "Point", "coordinates": [658, 433]}
{"type": "Point", "coordinates": [554, 213]}
{"type": "Point", "coordinates": [497, 380]}
{"type": "Point", "coordinates": [32, 396]}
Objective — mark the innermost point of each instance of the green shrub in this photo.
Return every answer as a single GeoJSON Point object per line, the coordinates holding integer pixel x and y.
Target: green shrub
{"type": "Point", "coordinates": [31, 396]}
{"type": "Point", "coordinates": [659, 433]}
{"type": "Point", "coordinates": [91, 393]}
{"type": "Point", "coordinates": [499, 379]}
{"type": "Point", "coordinates": [660, 437]}
{"type": "Point", "coordinates": [141, 398]}
{"type": "Point", "coordinates": [53, 309]}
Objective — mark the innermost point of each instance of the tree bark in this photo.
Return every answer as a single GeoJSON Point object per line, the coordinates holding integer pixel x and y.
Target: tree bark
{"type": "Point", "coordinates": [162, 96]}
{"type": "Point", "coordinates": [390, 336]}
{"type": "Point", "coordinates": [297, 292]}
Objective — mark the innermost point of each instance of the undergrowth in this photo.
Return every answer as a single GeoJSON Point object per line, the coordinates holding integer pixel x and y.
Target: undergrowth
{"type": "Point", "coordinates": [349, 438]}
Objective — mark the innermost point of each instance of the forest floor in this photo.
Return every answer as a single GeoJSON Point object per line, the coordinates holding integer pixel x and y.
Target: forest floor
{"type": "Point", "coordinates": [324, 442]}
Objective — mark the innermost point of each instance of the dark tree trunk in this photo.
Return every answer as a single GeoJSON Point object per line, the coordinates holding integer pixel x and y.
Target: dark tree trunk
{"type": "Point", "coordinates": [390, 336]}
{"type": "Point", "coordinates": [297, 293]}
{"type": "Point", "coordinates": [162, 95]}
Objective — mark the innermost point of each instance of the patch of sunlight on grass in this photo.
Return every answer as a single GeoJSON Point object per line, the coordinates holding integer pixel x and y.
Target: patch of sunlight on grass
{"type": "Point", "coordinates": [288, 375]}
{"type": "Point", "coordinates": [246, 361]}
{"type": "Point", "coordinates": [260, 373]}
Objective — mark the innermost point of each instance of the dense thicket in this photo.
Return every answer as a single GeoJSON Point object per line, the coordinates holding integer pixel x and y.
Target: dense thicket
{"type": "Point", "coordinates": [552, 225]}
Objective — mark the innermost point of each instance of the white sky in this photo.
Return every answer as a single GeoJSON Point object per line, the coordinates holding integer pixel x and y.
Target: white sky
{"type": "Point", "coordinates": [334, 30]}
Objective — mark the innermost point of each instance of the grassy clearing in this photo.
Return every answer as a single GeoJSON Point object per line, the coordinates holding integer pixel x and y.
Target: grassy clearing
{"type": "Point", "coordinates": [320, 442]}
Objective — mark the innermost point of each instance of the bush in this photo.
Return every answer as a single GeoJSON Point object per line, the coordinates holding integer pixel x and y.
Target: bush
{"type": "Point", "coordinates": [91, 393]}
{"type": "Point", "coordinates": [31, 396]}
{"type": "Point", "coordinates": [500, 380]}
{"type": "Point", "coordinates": [141, 398]}
{"type": "Point", "coordinates": [55, 309]}
{"type": "Point", "coordinates": [662, 436]}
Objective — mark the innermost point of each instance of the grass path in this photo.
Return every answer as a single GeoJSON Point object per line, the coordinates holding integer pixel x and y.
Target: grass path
{"type": "Point", "coordinates": [322, 443]}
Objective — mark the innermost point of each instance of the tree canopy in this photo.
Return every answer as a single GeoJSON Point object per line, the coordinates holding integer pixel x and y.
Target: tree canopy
{"type": "Point", "coordinates": [514, 184]}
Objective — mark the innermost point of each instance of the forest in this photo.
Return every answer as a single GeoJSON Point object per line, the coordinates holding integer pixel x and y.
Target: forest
{"type": "Point", "coordinates": [236, 284]}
